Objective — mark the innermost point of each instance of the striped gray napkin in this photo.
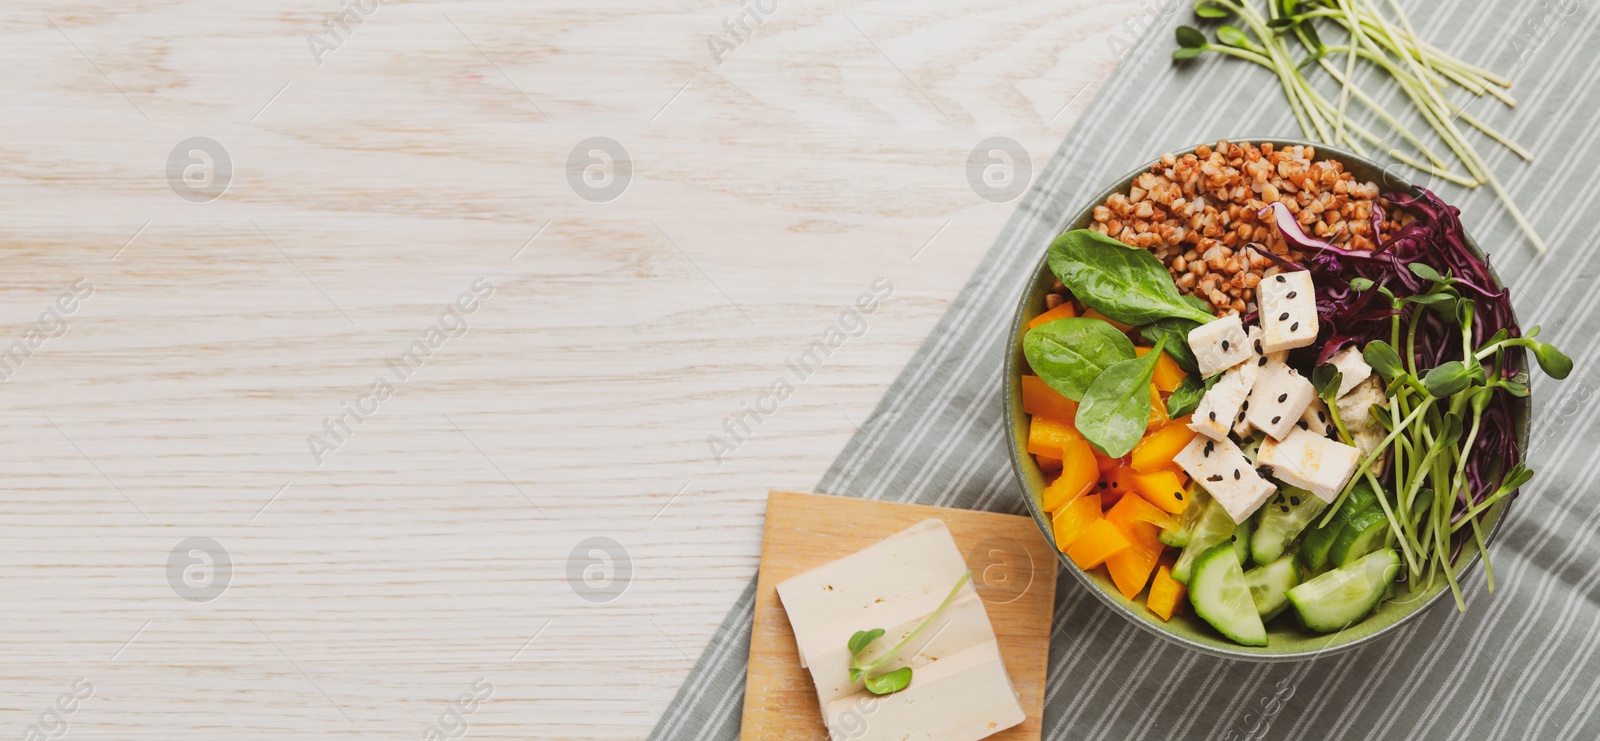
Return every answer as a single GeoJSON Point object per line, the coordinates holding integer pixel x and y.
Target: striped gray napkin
{"type": "Point", "coordinates": [1520, 663]}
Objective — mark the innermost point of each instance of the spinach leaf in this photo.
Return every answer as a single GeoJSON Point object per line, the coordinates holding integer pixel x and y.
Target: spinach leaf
{"type": "Point", "coordinates": [1187, 395]}
{"type": "Point", "coordinates": [1116, 409]}
{"type": "Point", "coordinates": [1068, 354]}
{"type": "Point", "coordinates": [1125, 283]}
{"type": "Point", "coordinates": [1177, 333]}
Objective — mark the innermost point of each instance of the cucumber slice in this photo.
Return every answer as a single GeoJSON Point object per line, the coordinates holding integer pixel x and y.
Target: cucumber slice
{"type": "Point", "coordinates": [1213, 527]}
{"type": "Point", "coordinates": [1198, 499]}
{"type": "Point", "coordinates": [1314, 549]}
{"type": "Point", "coordinates": [1363, 534]}
{"type": "Point", "coordinates": [1282, 519]}
{"type": "Point", "coordinates": [1241, 540]}
{"type": "Point", "coordinates": [1345, 595]}
{"type": "Point", "coordinates": [1270, 585]}
{"type": "Point", "coordinates": [1221, 597]}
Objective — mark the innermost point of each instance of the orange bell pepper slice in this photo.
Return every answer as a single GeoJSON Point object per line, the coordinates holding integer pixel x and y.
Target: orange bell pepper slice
{"type": "Point", "coordinates": [1098, 541]}
{"type": "Point", "coordinates": [1164, 489]}
{"type": "Point", "coordinates": [1115, 483]}
{"type": "Point", "coordinates": [1156, 451]}
{"type": "Point", "coordinates": [1141, 523]}
{"type": "Point", "coordinates": [1046, 436]}
{"type": "Point", "coordinates": [1158, 410]}
{"type": "Point", "coordinates": [1064, 311]}
{"type": "Point", "coordinates": [1092, 314]}
{"type": "Point", "coordinates": [1166, 593]}
{"type": "Point", "coordinates": [1039, 399]}
{"type": "Point", "coordinates": [1069, 521]}
{"type": "Point", "coordinates": [1078, 475]}
{"type": "Point", "coordinates": [1169, 375]}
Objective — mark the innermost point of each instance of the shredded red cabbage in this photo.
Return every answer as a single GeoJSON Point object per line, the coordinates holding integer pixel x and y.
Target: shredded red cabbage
{"type": "Point", "coordinates": [1348, 317]}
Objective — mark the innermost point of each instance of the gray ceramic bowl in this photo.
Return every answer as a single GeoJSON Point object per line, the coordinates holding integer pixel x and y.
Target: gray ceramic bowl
{"type": "Point", "coordinates": [1286, 640]}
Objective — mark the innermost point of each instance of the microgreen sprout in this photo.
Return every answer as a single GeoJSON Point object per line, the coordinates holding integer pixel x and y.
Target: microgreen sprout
{"type": "Point", "coordinates": [1420, 70]}
{"type": "Point", "coordinates": [899, 679]}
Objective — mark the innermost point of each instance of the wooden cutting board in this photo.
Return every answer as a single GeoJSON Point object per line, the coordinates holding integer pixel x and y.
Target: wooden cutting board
{"type": "Point", "coordinates": [1013, 568]}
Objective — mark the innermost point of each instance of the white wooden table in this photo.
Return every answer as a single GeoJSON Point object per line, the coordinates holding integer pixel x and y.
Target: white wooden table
{"type": "Point", "coordinates": [425, 554]}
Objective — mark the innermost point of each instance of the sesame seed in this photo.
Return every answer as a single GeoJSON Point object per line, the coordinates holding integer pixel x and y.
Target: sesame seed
{"type": "Point", "coordinates": [1178, 494]}
{"type": "Point", "coordinates": [1262, 362]}
{"type": "Point", "coordinates": [1275, 419]}
{"type": "Point", "coordinates": [1224, 345]}
{"type": "Point", "coordinates": [1283, 317]}
{"type": "Point", "coordinates": [1280, 278]}
{"type": "Point", "coordinates": [1214, 477]}
{"type": "Point", "coordinates": [1282, 398]}
{"type": "Point", "coordinates": [1235, 474]}
{"type": "Point", "coordinates": [1246, 406]}
{"type": "Point", "coordinates": [1292, 294]}
{"type": "Point", "coordinates": [1213, 416]}
{"type": "Point", "coordinates": [1294, 327]}
{"type": "Point", "coordinates": [1294, 500]}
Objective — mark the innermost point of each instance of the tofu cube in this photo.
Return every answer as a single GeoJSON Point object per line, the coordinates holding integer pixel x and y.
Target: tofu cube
{"type": "Point", "coordinates": [1365, 432]}
{"type": "Point", "coordinates": [1352, 367]}
{"type": "Point", "coordinates": [1355, 407]}
{"type": "Point", "coordinates": [1315, 418]}
{"type": "Point", "coordinates": [1219, 344]}
{"type": "Point", "coordinates": [1278, 399]}
{"type": "Point", "coordinates": [1220, 468]}
{"type": "Point", "coordinates": [1221, 408]}
{"type": "Point", "coordinates": [1242, 428]}
{"type": "Point", "coordinates": [1288, 304]}
{"type": "Point", "coordinates": [1258, 352]}
{"type": "Point", "coordinates": [1311, 462]}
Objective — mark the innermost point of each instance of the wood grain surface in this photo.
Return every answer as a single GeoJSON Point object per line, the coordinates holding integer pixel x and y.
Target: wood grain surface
{"type": "Point", "coordinates": [431, 554]}
{"type": "Point", "coordinates": [1013, 570]}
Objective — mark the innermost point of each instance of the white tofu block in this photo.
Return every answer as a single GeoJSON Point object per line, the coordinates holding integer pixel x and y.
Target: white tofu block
{"type": "Point", "coordinates": [896, 579]}
{"type": "Point", "coordinates": [963, 625]}
{"type": "Point", "coordinates": [1220, 468]}
{"type": "Point", "coordinates": [1220, 408]}
{"type": "Point", "coordinates": [1311, 462]}
{"type": "Point", "coordinates": [1278, 399]}
{"type": "Point", "coordinates": [1258, 353]}
{"type": "Point", "coordinates": [1219, 344]}
{"type": "Point", "coordinates": [1241, 427]}
{"type": "Point", "coordinates": [1367, 439]}
{"type": "Point", "coordinates": [1355, 408]}
{"type": "Point", "coordinates": [1315, 418]}
{"type": "Point", "coordinates": [1365, 432]}
{"type": "Point", "coordinates": [1352, 367]}
{"type": "Point", "coordinates": [1288, 307]}
{"type": "Point", "coordinates": [963, 697]}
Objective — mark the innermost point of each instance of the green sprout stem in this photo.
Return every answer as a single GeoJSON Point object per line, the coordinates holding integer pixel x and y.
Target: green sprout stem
{"type": "Point", "coordinates": [863, 670]}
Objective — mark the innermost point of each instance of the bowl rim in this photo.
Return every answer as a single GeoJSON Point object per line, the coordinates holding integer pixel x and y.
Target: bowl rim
{"type": "Point", "coordinates": [1016, 448]}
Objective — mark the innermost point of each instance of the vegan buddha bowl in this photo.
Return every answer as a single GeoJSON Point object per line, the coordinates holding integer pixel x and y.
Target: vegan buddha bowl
{"type": "Point", "coordinates": [1266, 407]}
